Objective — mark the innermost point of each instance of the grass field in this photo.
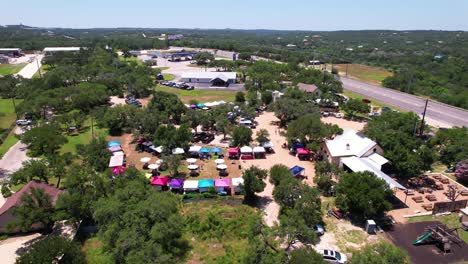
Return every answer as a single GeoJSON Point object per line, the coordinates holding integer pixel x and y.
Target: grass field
{"type": "Point", "coordinates": [369, 74]}
{"type": "Point", "coordinates": [84, 137]}
{"type": "Point", "coordinates": [8, 143]}
{"type": "Point", "coordinates": [7, 113]}
{"type": "Point", "coordinates": [168, 77]}
{"type": "Point", "coordinates": [450, 220]}
{"type": "Point", "coordinates": [202, 96]}
{"type": "Point", "coordinates": [92, 248]}
{"type": "Point", "coordinates": [7, 69]}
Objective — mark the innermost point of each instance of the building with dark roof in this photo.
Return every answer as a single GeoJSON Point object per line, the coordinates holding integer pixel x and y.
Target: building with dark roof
{"type": "Point", "coordinates": [309, 88]}
{"type": "Point", "coordinates": [6, 211]}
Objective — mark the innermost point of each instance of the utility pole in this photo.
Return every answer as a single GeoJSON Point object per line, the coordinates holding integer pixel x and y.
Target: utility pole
{"type": "Point", "coordinates": [422, 121]}
{"type": "Point", "coordinates": [347, 64]}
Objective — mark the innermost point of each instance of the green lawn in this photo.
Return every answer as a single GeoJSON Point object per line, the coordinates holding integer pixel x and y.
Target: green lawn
{"type": "Point", "coordinates": [450, 220]}
{"type": "Point", "coordinates": [168, 77]}
{"type": "Point", "coordinates": [202, 96]}
{"type": "Point", "coordinates": [7, 69]}
{"type": "Point", "coordinates": [8, 143]}
{"type": "Point", "coordinates": [369, 74]}
{"type": "Point", "coordinates": [84, 137]}
{"type": "Point", "coordinates": [93, 250]}
{"type": "Point", "coordinates": [7, 113]}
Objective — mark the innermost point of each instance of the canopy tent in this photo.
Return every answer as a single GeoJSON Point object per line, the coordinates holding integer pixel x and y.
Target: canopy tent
{"type": "Point", "coordinates": [159, 181]}
{"type": "Point", "coordinates": [159, 161]}
{"type": "Point", "coordinates": [210, 104]}
{"type": "Point", "coordinates": [118, 153]}
{"type": "Point", "coordinates": [176, 183]}
{"type": "Point", "coordinates": [222, 185]}
{"type": "Point", "coordinates": [193, 106]}
{"type": "Point", "coordinates": [192, 167]}
{"type": "Point", "coordinates": [113, 143]}
{"type": "Point", "coordinates": [145, 159]}
{"type": "Point", "coordinates": [221, 166]}
{"type": "Point", "coordinates": [259, 149]}
{"type": "Point", "coordinates": [191, 160]}
{"type": "Point", "coordinates": [178, 151]}
{"type": "Point", "coordinates": [195, 149]}
{"type": "Point", "coordinates": [157, 149]}
{"type": "Point", "coordinates": [116, 161]}
{"type": "Point", "coordinates": [233, 151]}
{"type": "Point", "coordinates": [204, 184]}
{"type": "Point", "coordinates": [118, 170]}
{"type": "Point", "coordinates": [200, 105]}
{"type": "Point", "coordinates": [114, 148]}
{"type": "Point", "coordinates": [303, 151]}
{"type": "Point", "coordinates": [246, 149]}
{"type": "Point", "coordinates": [216, 150]}
{"type": "Point", "coordinates": [296, 170]}
{"type": "Point", "coordinates": [153, 166]}
{"type": "Point", "coordinates": [190, 185]}
{"type": "Point", "coordinates": [205, 150]}
{"type": "Point", "coordinates": [219, 161]}
{"type": "Point", "coordinates": [236, 183]}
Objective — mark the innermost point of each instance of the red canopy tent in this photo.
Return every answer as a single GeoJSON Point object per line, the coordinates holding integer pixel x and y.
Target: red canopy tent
{"type": "Point", "coordinates": [303, 151]}
{"type": "Point", "coordinates": [159, 181]}
{"type": "Point", "coordinates": [233, 153]}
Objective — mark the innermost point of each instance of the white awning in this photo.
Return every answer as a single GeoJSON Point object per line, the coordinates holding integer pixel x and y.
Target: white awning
{"type": "Point", "coordinates": [192, 167]}
{"type": "Point", "coordinates": [194, 149]}
{"type": "Point", "coordinates": [246, 149]}
{"type": "Point", "coordinates": [157, 149]}
{"type": "Point", "coordinates": [178, 151]}
{"type": "Point", "coordinates": [190, 185]}
{"type": "Point", "coordinates": [237, 181]}
{"type": "Point", "coordinates": [118, 153]}
{"type": "Point", "coordinates": [259, 150]}
{"type": "Point", "coordinates": [116, 161]}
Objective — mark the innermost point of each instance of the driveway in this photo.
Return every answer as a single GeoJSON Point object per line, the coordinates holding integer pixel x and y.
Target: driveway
{"type": "Point", "coordinates": [31, 68]}
{"type": "Point", "coordinates": [10, 246]}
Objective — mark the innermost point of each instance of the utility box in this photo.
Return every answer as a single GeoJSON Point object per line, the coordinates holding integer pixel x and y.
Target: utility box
{"type": "Point", "coordinates": [371, 227]}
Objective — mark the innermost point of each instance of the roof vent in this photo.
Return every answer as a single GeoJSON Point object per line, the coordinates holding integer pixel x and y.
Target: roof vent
{"type": "Point", "coordinates": [347, 146]}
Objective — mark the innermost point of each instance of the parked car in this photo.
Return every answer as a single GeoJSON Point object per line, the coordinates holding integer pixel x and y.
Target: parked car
{"type": "Point", "coordinates": [386, 108]}
{"type": "Point", "coordinates": [190, 88]}
{"type": "Point", "coordinates": [23, 122]}
{"type": "Point", "coordinates": [208, 138]}
{"type": "Point", "coordinates": [333, 256]}
{"type": "Point", "coordinates": [367, 101]}
{"type": "Point", "coordinates": [319, 230]}
{"type": "Point", "coordinates": [338, 115]}
{"type": "Point", "coordinates": [198, 136]}
{"type": "Point", "coordinates": [325, 114]}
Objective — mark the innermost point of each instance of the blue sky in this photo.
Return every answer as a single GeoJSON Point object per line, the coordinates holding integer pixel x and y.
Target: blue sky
{"type": "Point", "coordinates": [242, 14]}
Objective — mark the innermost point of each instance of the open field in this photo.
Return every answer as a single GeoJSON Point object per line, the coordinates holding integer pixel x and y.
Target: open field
{"type": "Point", "coordinates": [7, 113]}
{"type": "Point", "coordinates": [199, 95]}
{"type": "Point", "coordinates": [369, 74]}
{"type": "Point", "coordinates": [7, 69]}
{"type": "Point", "coordinates": [83, 138]}
{"type": "Point", "coordinates": [450, 220]}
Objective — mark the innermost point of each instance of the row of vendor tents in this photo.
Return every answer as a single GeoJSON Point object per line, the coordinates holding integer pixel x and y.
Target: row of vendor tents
{"type": "Point", "coordinates": [222, 186]}
{"type": "Point", "coordinates": [203, 105]}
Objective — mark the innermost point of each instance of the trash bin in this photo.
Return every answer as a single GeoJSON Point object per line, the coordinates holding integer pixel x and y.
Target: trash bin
{"type": "Point", "coordinates": [371, 226]}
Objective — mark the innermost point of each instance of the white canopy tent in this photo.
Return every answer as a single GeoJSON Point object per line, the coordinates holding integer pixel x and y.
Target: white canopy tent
{"type": "Point", "coordinates": [195, 149]}
{"type": "Point", "coordinates": [153, 166]}
{"type": "Point", "coordinates": [219, 161]}
{"type": "Point", "coordinates": [259, 150]}
{"type": "Point", "coordinates": [145, 159]}
{"type": "Point", "coordinates": [118, 153]}
{"type": "Point", "coordinates": [157, 149]}
{"type": "Point", "coordinates": [192, 167]}
{"type": "Point", "coordinates": [190, 185]}
{"type": "Point", "coordinates": [236, 183]}
{"type": "Point", "coordinates": [178, 151]}
{"type": "Point", "coordinates": [191, 160]}
{"type": "Point", "coordinates": [116, 161]}
{"type": "Point", "coordinates": [222, 166]}
{"type": "Point", "coordinates": [246, 150]}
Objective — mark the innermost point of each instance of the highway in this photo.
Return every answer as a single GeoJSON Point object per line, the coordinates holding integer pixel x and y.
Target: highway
{"type": "Point", "coordinates": [438, 114]}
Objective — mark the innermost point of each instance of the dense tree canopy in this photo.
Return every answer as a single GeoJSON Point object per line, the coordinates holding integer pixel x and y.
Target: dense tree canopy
{"type": "Point", "coordinates": [451, 144]}
{"type": "Point", "coordinates": [253, 182]}
{"type": "Point", "coordinates": [51, 248]}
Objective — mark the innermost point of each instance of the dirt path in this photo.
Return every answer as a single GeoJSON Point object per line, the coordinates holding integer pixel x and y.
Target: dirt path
{"type": "Point", "coordinates": [281, 156]}
{"type": "Point", "coordinates": [14, 158]}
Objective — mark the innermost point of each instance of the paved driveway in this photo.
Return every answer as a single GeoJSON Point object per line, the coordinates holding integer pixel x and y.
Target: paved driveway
{"type": "Point", "coordinates": [31, 68]}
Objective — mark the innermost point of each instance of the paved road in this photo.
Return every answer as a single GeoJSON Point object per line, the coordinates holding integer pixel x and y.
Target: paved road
{"type": "Point", "coordinates": [438, 114]}
{"type": "Point", "coordinates": [31, 68]}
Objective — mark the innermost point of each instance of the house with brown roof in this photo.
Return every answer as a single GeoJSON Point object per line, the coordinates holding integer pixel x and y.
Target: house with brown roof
{"type": "Point", "coordinates": [6, 211]}
{"type": "Point", "coordinates": [309, 88]}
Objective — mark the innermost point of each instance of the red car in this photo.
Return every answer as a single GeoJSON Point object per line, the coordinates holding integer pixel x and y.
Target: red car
{"type": "Point", "coordinates": [367, 101]}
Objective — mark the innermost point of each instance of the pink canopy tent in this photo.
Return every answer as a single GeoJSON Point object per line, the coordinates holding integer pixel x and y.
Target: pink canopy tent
{"type": "Point", "coordinates": [222, 183]}
{"type": "Point", "coordinates": [118, 170]}
{"type": "Point", "coordinates": [233, 151]}
{"type": "Point", "coordinates": [303, 151]}
{"type": "Point", "coordinates": [159, 181]}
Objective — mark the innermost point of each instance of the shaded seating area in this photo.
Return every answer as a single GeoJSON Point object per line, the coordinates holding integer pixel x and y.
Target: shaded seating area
{"type": "Point", "coordinates": [246, 153]}
{"type": "Point", "coordinates": [259, 152]}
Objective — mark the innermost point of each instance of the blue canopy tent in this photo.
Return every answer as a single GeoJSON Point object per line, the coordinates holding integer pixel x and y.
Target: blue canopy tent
{"type": "Point", "coordinates": [216, 150]}
{"type": "Point", "coordinates": [113, 143]}
{"type": "Point", "coordinates": [205, 150]}
{"type": "Point", "coordinates": [200, 105]}
{"type": "Point", "coordinates": [296, 170]}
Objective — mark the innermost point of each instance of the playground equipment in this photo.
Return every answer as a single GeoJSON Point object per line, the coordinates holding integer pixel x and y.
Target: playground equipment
{"type": "Point", "coordinates": [443, 236]}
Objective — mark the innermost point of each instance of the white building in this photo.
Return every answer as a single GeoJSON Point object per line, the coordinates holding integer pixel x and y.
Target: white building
{"type": "Point", "coordinates": [213, 78]}
{"type": "Point", "coordinates": [51, 50]}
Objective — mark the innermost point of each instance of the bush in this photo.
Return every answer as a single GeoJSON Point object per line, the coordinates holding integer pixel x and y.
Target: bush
{"type": "Point", "coordinates": [6, 192]}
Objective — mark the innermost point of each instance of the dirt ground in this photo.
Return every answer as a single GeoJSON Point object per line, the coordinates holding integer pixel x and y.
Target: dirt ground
{"type": "Point", "coordinates": [404, 234]}
{"type": "Point", "coordinates": [343, 123]}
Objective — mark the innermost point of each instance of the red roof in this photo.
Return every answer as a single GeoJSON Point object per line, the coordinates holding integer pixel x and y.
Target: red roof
{"type": "Point", "coordinates": [15, 199]}
{"type": "Point", "coordinates": [161, 181]}
{"type": "Point", "coordinates": [303, 151]}
{"type": "Point", "coordinates": [233, 150]}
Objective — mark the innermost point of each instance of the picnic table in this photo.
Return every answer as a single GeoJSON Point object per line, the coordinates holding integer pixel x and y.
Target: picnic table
{"type": "Point", "coordinates": [428, 207]}
{"type": "Point", "coordinates": [431, 197]}
{"type": "Point", "coordinates": [418, 199]}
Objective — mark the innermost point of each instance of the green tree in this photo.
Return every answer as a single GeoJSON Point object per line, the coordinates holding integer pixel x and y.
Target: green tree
{"type": "Point", "coordinates": [263, 136]}
{"type": "Point", "coordinates": [451, 144]}
{"type": "Point", "coordinates": [44, 140]}
{"type": "Point", "coordinates": [241, 136]}
{"type": "Point", "coordinates": [223, 125]}
{"type": "Point", "coordinates": [363, 195]}
{"type": "Point", "coordinates": [94, 154]}
{"type": "Point", "coordinates": [267, 97]}
{"type": "Point", "coordinates": [240, 97]}
{"type": "Point", "coordinates": [50, 249]}
{"type": "Point", "coordinates": [35, 208]}
{"type": "Point", "coordinates": [128, 239]}
{"type": "Point", "coordinates": [278, 173]}
{"type": "Point", "coordinates": [253, 182]}
{"type": "Point", "coordinates": [202, 58]}
{"type": "Point", "coordinates": [461, 171]}
{"type": "Point", "coordinates": [381, 253]}
{"type": "Point", "coordinates": [287, 109]}
{"type": "Point", "coordinates": [173, 162]}
{"type": "Point", "coordinates": [356, 106]}
{"type": "Point", "coordinates": [31, 169]}
{"type": "Point", "coordinates": [306, 256]}
{"type": "Point", "coordinates": [293, 229]}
